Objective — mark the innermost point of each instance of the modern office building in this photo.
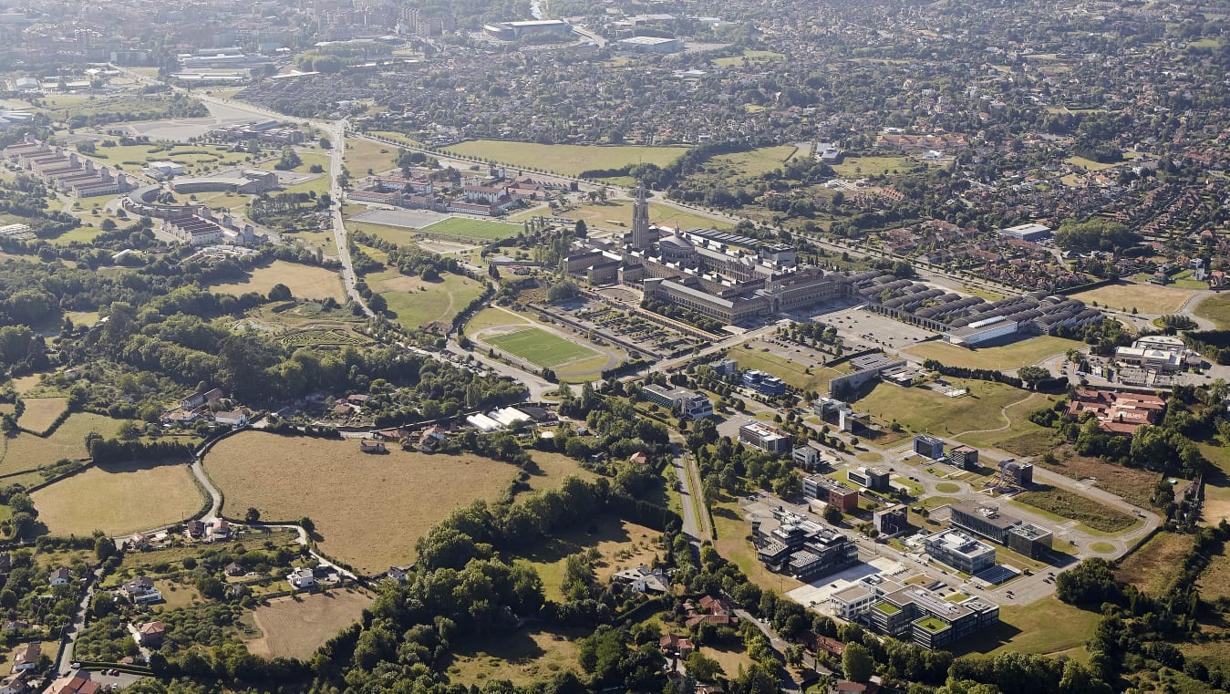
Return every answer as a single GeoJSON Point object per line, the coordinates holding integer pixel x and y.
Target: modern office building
{"type": "Point", "coordinates": [929, 620]}
{"type": "Point", "coordinates": [831, 492]}
{"type": "Point", "coordinates": [986, 520]}
{"type": "Point", "coordinates": [802, 548]}
{"type": "Point", "coordinates": [763, 383]}
{"type": "Point", "coordinates": [892, 520]}
{"type": "Point", "coordinates": [687, 403]}
{"type": "Point", "coordinates": [764, 437]}
{"type": "Point", "coordinates": [960, 551]}
{"type": "Point", "coordinates": [929, 446]}
{"type": "Point", "coordinates": [853, 602]}
{"type": "Point", "coordinates": [964, 457]}
{"type": "Point", "coordinates": [809, 457]}
{"type": "Point", "coordinates": [874, 478]}
{"type": "Point", "coordinates": [1016, 472]}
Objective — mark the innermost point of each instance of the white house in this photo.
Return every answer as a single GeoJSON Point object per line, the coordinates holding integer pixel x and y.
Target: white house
{"type": "Point", "coordinates": [302, 579]}
{"type": "Point", "coordinates": [59, 577]}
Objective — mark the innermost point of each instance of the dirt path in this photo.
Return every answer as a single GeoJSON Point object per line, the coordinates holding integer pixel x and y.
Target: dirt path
{"type": "Point", "coordinates": [1003, 412]}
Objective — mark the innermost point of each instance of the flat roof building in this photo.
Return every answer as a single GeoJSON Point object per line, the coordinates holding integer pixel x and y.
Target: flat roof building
{"type": "Point", "coordinates": [960, 551]}
{"type": "Point", "coordinates": [764, 437]}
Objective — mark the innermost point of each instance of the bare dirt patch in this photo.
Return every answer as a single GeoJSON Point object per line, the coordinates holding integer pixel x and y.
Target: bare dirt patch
{"type": "Point", "coordinates": [294, 627]}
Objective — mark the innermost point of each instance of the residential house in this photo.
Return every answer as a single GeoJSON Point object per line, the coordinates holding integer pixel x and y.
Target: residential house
{"type": "Point", "coordinates": [78, 683]}
{"type": "Point", "coordinates": [640, 459]}
{"type": "Point", "coordinates": [26, 656]}
{"type": "Point", "coordinates": [234, 569]}
{"type": "Point", "coordinates": [642, 579]}
{"type": "Point", "coordinates": [195, 529]}
{"type": "Point", "coordinates": [151, 634]}
{"type": "Point", "coordinates": [59, 577]}
{"type": "Point", "coordinates": [302, 579]}
{"type": "Point", "coordinates": [397, 573]}
{"type": "Point", "coordinates": [141, 591]}
{"type": "Point", "coordinates": [14, 684]}
{"type": "Point", "coordinates": [220, 529]}
{"type": "Point", "coordinates": [711, 610]}
{"type": "Point", "coordinates": [432, 439]}
{"type": "Point", "coordinates": [675, 645]}
{"type": "Point", "coordinates": [231, 418]}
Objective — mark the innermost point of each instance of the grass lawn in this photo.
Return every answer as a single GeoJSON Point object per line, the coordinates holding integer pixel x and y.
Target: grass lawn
{"type": "Point", "coordinates": [396, 235]}
{"type": "Point", "coordinates": [1088, 164]}
{"type": "Point", "coordinates": [749, 56]}
{"type": "Point", "coordinates": [733, 543]}
{"type": "Point", "coordinates": [373, 520]}
{"type": "Point", "coordinates": [753, 162]}
{"type": "Point", "coordinates": [922, 410]}
{"type": "Point", "coordinates": [41, 413]}
{"type": "Point", "coordinates": [733, 661]}
{"type": "Point", "coordinates": [800, 376]}
{"type": "Point", "coordinates": [29, 452]}
{"type": "Point", "coordinates": [295, 626]}
{"type": "Point", "coordinates": [1065, 504]}
{"type": "Point", "coordinates": [859, 167]}
{"type": "Point", "coordinates": [417, 303]}
{"type": "Point", "coordinates": [1022, 436]}
{"type": "Point", "coordinates": [197, 159]}
{"type": "Point", "coordinates": [1047, 626]}
{"type": "Point", "coordinates": [1215, 307]}
{"type": "Point", "coordinates": [1005, 357]}
{"type": "Point", "coordinates": [395, 136]}
{"type": "Point", "coordinates": [523, 657]}
{"type": "Point", "coordinates": [619, 214]}
{"type": "Point", "coordinates": [570, 160]}
{"type": "Point", "coordinates": [362, 156]}
{"type": "Point", "coordinates": [304, 281]}
{"type": "Point", "coordinates": [620, 544]}
{"type": "Point", "coordinates": [1149, 299]}
{"type": "Point", "coordinates": [540, 347]}
{"type": "Point", "coordinates": [472, 229]}
{"type": "Point", "coordinates": [118, 499]}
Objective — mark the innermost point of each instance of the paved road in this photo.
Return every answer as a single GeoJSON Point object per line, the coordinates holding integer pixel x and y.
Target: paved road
{"type": "Point", "coordinates": [78, 623]}
{"type": "Point", "coordinates": [337, 137]}
{"type": "Point", "coordinates": [696, 523]}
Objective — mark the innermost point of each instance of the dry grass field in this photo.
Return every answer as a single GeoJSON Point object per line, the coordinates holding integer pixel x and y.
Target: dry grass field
{"type": "Point", "coordinates": [294, 627]}
{"type": "Point", "coordinates": [1214, 583]}
{"type": "Point", "coordinates": [1151, 567]}
{"type": "Point", "coordinates": [621, 544]}
{"type": "Point", "coordinates": [1149, 299]}
{"type": "Point", "coordinates": [368, 509]}
{"type": "Point", "coordinates": [922, 410]}
{"type": "Point", "coordinates": [523, 657]}
{"type": "Point", "coordinates": [119, 499]}
{"type": "Point", "coordinates": [570, 160]}
{"type": "Point", "coordinates": [30, 452]}
{"type": "Point", "coordinates": [304, 281]}
{"type": "Point", "coordinates": [553, 469]}
{"type": "Point", "coordinates": [418, 303]}
{"type": "Point", "coordinates": [41, 413]}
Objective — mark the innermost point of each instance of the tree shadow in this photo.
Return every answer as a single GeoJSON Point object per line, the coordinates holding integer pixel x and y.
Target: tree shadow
{"type": "Point", "coordinates": [604, 528]}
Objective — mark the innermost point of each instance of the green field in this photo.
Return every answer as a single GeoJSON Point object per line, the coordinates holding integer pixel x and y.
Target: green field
{"type": "Point", "coordinates": [29, 452]}
{"type": "Point", "coordinates": [540, 347]}
{"type": "Point", "coordinates": [924, 410]}
{"type": "Point", "coordinates": [1004, 357]}
{"type": "Point", "coordinates": [795, 374]}
{"type": "Point", "coordinates": [1068, 505]}
{"type": "Point", "coordinates": [476, 229]}
{"type": "Point", "coordinates": [569, 160]}
{"type": "Point", "coordinates": [753, 162]}
{"type": "Point", "coordinates": [858, 167]}
{"type": "Point", "coordinates": [196, 158]}
{"type": "Point", "coordinates": [417, 303]}
{"type": "Point", "coordinates": [1046, 627]}
{"type": "Point", "coordinates": [1216, 308]}
{"type": "Point", "coordinates": [749, 56]}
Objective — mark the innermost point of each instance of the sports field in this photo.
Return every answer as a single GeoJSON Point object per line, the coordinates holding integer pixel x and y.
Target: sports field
{"type": "Point", "coordinates": [294, 627]}
{"type": "Point", "coordinates": [477, 229]}
{"type": "Point", "coordinates": [41, 413]}
{"type": "Point", "coordinates": [417, 303]}
{"type": "Point", "coordinates": [119, 499]}
{"type": "Point", "coordinates": [1149, 299]}
{"type": "Point", "coordinates": [570, 160]}
{"type": "Point", "coordinates": [1004, 357]}
{"type": "Point", "coordinates": [304, 281]}
{"type": "Point", "coordinates": [541, 347]}
{"type": "Point", "coordinates": [372, 520]}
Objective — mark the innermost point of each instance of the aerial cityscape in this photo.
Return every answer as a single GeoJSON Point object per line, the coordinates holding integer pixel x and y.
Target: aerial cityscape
{"type": "Point", "coordinates": [555, 346]}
